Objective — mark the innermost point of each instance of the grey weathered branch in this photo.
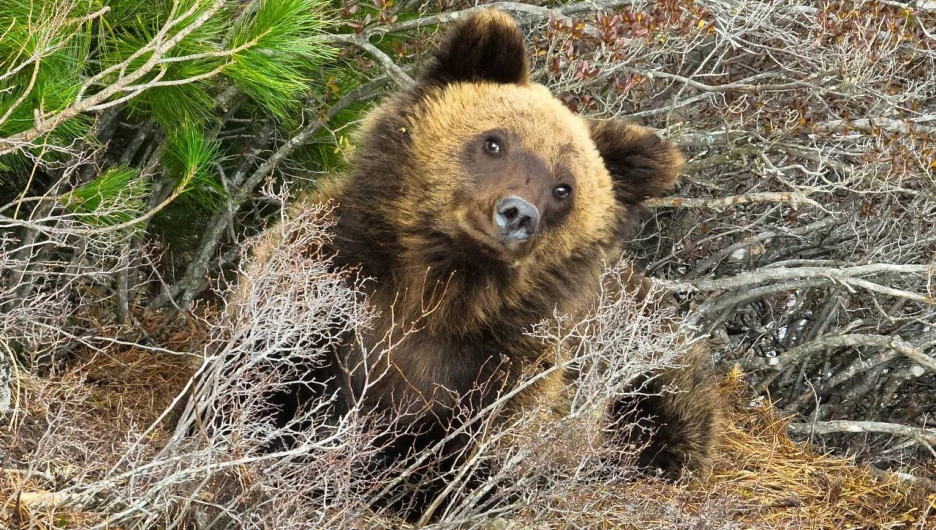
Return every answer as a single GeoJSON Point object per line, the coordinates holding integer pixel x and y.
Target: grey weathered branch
{"type": "Point", "coordinates": [892, 345]}
{"type": "Point", "coordinates": [361, 41]}
{"type": "Point", "coordinates": [524, 13]}
{"type": "Point", "coordinates": [845, 426]}
{"type": "Point", "coordinates": [796, 355]}
{"type": "Point", "coordinates": [710, 261]}
{"type": "Point", "coordinates": [876, 124]}
{"type": "Point", "coordinates": [844, 275]}
{"type": "Point", "coordinates": [793, 198]}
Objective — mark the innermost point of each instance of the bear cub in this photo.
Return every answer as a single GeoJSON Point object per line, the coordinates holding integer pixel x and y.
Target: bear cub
{"type": "Point", "coordinates": [480, 205]}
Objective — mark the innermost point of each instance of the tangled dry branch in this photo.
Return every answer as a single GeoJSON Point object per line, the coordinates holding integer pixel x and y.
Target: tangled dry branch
{"type": "Point", "coordinates": [806, 214]}
{"type": "Point", "coordinates": [801, 241]}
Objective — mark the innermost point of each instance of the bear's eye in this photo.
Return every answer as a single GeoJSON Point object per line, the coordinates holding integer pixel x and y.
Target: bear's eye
{"type": "Point", "coordinates": [562, 191]}
{"type": "Point", "coordinates": [493, 146]}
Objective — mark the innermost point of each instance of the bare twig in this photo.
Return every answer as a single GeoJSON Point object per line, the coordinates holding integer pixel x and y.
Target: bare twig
{"type": "Point", "coordinates": [393, 70]}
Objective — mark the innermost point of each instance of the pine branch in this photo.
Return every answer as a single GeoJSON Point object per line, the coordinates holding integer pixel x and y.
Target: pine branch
{"type": "Point", "coordinates": [157, 48]}
{"type": "Point", "coordinates": [193, 280]}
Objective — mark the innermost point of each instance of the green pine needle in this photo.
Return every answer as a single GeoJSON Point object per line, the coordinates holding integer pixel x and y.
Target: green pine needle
{"type": "Point", "coordinates": [193, 159]}
{"type": "Point", "coordinates": [274, 69]}
{"type": "Point", "coordinates": [118, 195]}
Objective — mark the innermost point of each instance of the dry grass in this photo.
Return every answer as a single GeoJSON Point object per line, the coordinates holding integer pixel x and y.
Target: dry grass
{"type": "Point", "coordinates": [80, 422]}
{"type": "Point", "coordinates": [762, 479]}
{"type": "Point", "coordinates": [783, 484]}
{"type": "Point", "coordinates": [75, 425]}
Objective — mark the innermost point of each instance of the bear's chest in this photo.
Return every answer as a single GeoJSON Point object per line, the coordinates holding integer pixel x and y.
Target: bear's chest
{"type": "Point", "coordinates": [420, 372]}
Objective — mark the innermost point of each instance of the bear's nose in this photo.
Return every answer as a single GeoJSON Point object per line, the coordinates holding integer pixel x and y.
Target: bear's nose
{"type": "Point", "coordinates": [516, 218]}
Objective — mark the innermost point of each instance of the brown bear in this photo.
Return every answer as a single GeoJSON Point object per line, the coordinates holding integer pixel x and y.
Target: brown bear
{"type": "Point", "coordinates": [480, 205]}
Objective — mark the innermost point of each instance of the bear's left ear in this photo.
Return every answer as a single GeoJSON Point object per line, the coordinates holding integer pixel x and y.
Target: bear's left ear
{"type": "Point", "coordinates": [486, 46]}
{"type": "Point", "coordinates": [641, 164]}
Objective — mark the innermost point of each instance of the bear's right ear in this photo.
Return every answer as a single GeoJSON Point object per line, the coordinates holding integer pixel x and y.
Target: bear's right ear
{"type": "Point", "coordinates": [642, 165]}
{"type": "Point", "coordinates": [487, 46]}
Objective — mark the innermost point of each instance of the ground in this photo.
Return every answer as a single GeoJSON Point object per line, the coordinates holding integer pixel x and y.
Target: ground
{"type": "Point", "coordinates": [73, 426]}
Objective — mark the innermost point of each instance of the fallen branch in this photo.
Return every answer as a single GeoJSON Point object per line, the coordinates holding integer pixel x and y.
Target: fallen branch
{"type": "Point", "coordinates": [744, 87]}
{"type": "Point", "coordinates": [710, 261]}
{"type": "Point", "coordinates": [843, 275]}
{"type": "Point", "coordinates": [843, 426]}
{"type": "Point", "coordinates": [793, 198]}
{"type": "Point", "coordinates": [893, 347]}
{"type": "Point", "coordinates": [522, 11]}
{"type": "Point", "coordinates": [796, 355]}
{"type": "Point", "coordinates": [875, 125]}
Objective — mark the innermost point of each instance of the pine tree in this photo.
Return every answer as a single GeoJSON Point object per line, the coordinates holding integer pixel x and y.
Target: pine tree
{"type": "Point", "coordinates": [127, 125]}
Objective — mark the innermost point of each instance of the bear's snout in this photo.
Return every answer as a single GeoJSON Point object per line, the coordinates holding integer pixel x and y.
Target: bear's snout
{"type": "Point", "coordinates": [516, 218]}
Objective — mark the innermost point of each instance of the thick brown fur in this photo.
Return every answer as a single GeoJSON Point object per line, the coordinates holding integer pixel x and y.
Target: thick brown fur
{"type": "Point", "coordinates": [414, 213]}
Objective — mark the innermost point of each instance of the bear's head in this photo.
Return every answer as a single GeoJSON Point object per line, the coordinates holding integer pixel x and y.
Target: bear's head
{"type": "Point", "coordinates": [479, 171]}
